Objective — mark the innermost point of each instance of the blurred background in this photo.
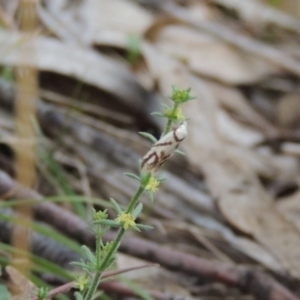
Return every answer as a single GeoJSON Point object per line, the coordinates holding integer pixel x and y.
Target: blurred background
{"type": "Point", "coordinates": [79, 80]}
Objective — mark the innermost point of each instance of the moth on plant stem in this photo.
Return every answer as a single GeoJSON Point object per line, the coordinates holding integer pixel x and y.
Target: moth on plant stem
{"type": "Point", "coordinates": [163, 148]}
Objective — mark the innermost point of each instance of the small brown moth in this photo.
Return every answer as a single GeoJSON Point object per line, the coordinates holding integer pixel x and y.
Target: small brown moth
{"type": "Point", "coordinates": [163, 148]}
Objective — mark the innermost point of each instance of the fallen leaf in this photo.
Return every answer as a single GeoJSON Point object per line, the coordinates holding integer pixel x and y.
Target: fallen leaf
{"type": "Point", "coordinates": [211, 57]}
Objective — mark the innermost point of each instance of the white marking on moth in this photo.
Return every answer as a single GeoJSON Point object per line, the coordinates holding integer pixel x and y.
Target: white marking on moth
{"type": "Point", "coordinates": [163, 148]}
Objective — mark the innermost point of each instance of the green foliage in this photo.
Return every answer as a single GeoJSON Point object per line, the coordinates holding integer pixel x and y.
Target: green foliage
{"type": "Point", "coordinates": [4, 293]}
{"type": "Point", "coordinates": [133, 49]}
{"type": "Point", "coordinates": [181, 96]}
{"type": "Point", "coordinates": [149, 136]}
{"type": "Point", "coordinates": [78, 296]}
{"type": "Point", "coordinates": [7, 74]}
{"type": "Point", "coordinates": [177, 151]}
{"type": "Point", "coordinates": [42, 293]}
{"type": "Point", "coordinates": [275, 3]}
{"type": "Point", "coordinates": [38, 264]}
{"type": "Point", "coordinates": [96, 263]}
{"type": "Point", "coordinates": [131, 175]}
{"type": "Point", "coordinates": [46, 231]}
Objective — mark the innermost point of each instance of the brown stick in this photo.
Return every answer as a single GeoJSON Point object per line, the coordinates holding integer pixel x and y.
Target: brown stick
{"type": "Point", "coordinates": [119, 288]}
{"type": "Point", "coordinates": [66, 287]}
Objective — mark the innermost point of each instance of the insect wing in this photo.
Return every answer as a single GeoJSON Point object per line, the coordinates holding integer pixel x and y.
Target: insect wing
{"type": "Point", "coordinates": [162, 150]}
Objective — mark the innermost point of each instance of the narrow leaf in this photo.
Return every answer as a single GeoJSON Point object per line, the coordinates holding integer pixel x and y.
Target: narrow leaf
{"type": "Point", "coordinates": [131, 175]}
{"type": "Point", "coordinates": [78, 296]}
{"type": "Point", "coordinates": [88, 254]}
{"type": "Point", "coordinates": [148, 136]}
{"type": "Point", "coordinates": [160, 179]}
{"type": "Point", "coordinates": [158, 114]}
{"type": "Point", "coordinates": [144, 227]}
{"type": "Point", "coordinates": [82, 265]}
{"type": "Point", "coordinates": [116, 206]}
{"type": "Point", "coordinates": [177, 151]}
{"type": "Point", "coordinates": [110, 223]}
{"type": "Point", "coordinates": [150, 195]}
{"type": "Point", "coordinates": [137, 210]}
{"type": "Point", "coordinates": [4, 293]}
{"type": "Point", "coordinates": [136, 228]}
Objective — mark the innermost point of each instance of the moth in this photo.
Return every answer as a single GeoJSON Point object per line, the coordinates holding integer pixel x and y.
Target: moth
{"type": "Point", "coordinates": [163, 149]}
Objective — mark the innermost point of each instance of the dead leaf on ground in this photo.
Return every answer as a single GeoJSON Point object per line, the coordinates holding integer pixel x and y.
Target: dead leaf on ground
{"type": "Point", "coordinates": [208, 56]}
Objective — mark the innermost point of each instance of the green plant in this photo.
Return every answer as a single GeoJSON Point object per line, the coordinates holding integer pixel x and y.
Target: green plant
{"type": "Point", "coordinates": [133, 49]}
{"type": "Point", "coordinates": [103, 259]}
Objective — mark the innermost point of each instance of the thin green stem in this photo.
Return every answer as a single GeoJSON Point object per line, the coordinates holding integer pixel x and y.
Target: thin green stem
{"type": "Point", "coordinates": [97, 277]}
{"type": "Point", "coordinates": [134, 199]}
{"type": "Point", "coordinates": [94, 285]}
{"type": "Point", "coordinates": [98, 245]}
{"type": "Point", "coordinates": [169, 123]}
{"type": "Point", "coordinates": [113, 249]}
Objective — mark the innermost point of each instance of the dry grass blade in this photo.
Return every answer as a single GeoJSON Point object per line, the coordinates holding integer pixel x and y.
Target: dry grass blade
{"type": "Point", "coordinates": [25, 156]}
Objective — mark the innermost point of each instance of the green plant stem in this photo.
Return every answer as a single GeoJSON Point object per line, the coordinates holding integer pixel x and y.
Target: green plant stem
{"type": "Point", "coordinates": [94, 285]}
{"type": "Point", "coordinates": [169, 123]}
{"type": "Point", "coordinates": [135, 198]}
{"type": "Point", "coordinates": [113, 249]}
{"type": "Point", "coordinates": [98, 246]}
{"type": "Point", "coordinates": [97, 277]}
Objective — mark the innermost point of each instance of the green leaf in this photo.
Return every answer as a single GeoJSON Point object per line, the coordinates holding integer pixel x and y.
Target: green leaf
{"type": "Point", "coordinates": [134, 176]}
{"type": "Point", "coordinates": [38, 282]}
{"type": "Point", "coordinates": [116, 206]}
{"type": "Point", "coordinates": [40, 265]}
{"type": "Point", "coordinates": [150, 195]}
{"type": "Point", "coordinates": [177, 151]}
{"type": "Point", "coordinates": [180, 96]}
{"type": "Point", "coordinates": [133, 49]}
{"type": "Point", "coordinates": [42, 293]}
{"type": "Point", "coordinates": [110, 223]}
{"type": "Point", "coordinates": [166, 107]}
{"type": "Point", "coordinates": [137, 210]}
{"type": "Point", "coordinates": [82, 265]}
{"type": "Point", "coordinates": [160, 179]}
{"type": "Point", "coordinates": [144, 227]}
{"type": "Point", "coordinates": [88, 254]}
{"type": "Point", "coordinates": [100, 215]}
{"type": "Point", "coordinates": [136, 228]}
{"type": "Point", "coordinates": [63, 199]}
{"type": "Point", "coordinates": [110, 262]}
{"type": "Point", "coordinates": [148, 136]}
{"type": "Point", "coordinates": [4, 293]}
{"type": "Point", "coordinates": [158, 114]}
{"type": "Point", "coordinates": [46, 231]}
{"type": "Point", "coordinates": [78, 296]}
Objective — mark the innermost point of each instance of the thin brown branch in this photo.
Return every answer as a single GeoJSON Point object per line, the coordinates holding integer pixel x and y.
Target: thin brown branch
{"type": "Point", "coordinates": [66, 287]}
